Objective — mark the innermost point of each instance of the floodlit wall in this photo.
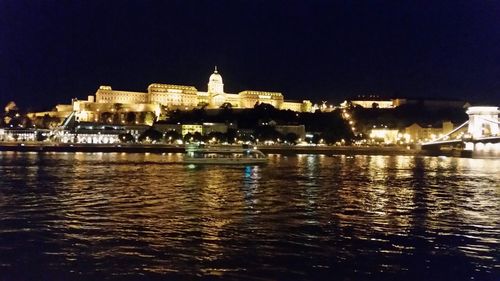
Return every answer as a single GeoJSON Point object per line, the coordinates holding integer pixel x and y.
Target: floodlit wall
{"type": "Point", "coordinates": [105, 94]}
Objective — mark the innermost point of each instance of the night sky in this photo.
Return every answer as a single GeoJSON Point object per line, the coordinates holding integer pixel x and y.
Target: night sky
{"type": "Point", "coordinates": [52, 51]}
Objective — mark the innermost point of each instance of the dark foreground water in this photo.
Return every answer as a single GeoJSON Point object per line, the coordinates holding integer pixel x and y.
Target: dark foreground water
{"type": "Point", "coordinates": [77, 216]}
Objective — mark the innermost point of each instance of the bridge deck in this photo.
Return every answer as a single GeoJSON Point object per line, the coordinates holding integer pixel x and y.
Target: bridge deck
{"type": "Point", "coordinates": [492, 139]}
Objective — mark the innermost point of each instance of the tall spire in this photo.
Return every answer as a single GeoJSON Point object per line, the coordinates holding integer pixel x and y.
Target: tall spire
{"type": "Point", "coordinates": [215, 71]}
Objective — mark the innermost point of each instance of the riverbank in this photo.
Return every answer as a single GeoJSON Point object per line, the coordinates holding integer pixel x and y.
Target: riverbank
{"type": "Point", "coordinates": [169, 148]}
{"type": "Point", "coordinates": [64, 147]}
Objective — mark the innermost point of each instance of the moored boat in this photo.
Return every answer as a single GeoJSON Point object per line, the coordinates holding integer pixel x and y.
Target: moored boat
{"type": "Point", "coordinates": [198, 154]}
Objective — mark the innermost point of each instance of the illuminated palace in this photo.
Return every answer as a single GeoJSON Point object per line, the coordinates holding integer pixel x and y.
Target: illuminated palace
{"type": "Point", "coordinates": [163, 97]}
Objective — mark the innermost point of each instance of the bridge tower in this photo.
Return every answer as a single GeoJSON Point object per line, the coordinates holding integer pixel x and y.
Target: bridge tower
{"type": "Point", "coordinates": [483, 121]}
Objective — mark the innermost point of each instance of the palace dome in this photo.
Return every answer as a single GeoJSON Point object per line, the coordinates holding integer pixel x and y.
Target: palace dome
{"type": "Point", "coordinates": [215, 77]}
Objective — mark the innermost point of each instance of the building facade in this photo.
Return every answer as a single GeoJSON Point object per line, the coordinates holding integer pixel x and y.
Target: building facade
{"type": "Point", "coordinates": [421, 133]}
{"type": "Point", "coordinates": [126, 107]}
{"type": "Point", "coordinates": [188, 97]}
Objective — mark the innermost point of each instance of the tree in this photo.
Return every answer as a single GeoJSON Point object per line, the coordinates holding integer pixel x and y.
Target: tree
{"type": "Point", "coordinates": [198, 115]}
{"type": "Point", "coordinates": [291, 138]}
{"type": "Point", "coordinates": [316, 138]}
{"type": "Point", "coordinates": [130, 117]}
{"type": "Point", "coordinates": [264, 106]}
{"type": "Point", "coordinates": [188, 137]}
{"type": "Point", "coordinates": [267, 133]}
{"type": "Point", "coordinates": [26, 122]}
{"type": "Point", "coordinates": [216, 136]}
{"type": "Point", "coordinates": [11, 107]}
{"type": "Point", "coordinates": [49, 122]}
{"type": "Point", "coordinates": [202, 105]}
{"type": "Point", "coordinates": [226, 111]}
{"type": "Point", "coordinates": [116, 118]}
{"type": "Point", "coordinates": [197, 136]}
{"type": "Point", "coordinates": [151, 135]}
{"type": "Point", "coordinates": [231, 135]}
{"type": "Point", "coordinates": [172, 136]}
{"type": "Point", "coordinates": [107, 117]}
{"type": "Point", "coordinates": [6, 120]}
{"type": "Point", "coordinates": [226, 105]}
{"type": "Point", "coordinates": [330, 137]}
{"type": "Point", "coordinates": [321, 122]}
{"type": "Point", "coordinates": [149, 118]}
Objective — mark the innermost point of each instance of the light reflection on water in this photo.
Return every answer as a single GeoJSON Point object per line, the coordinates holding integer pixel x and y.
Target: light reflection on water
{"type": "Point", "coordinates": [105, 215]}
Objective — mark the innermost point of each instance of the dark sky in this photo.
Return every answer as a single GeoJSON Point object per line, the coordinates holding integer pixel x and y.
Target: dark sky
{"type": "Point", "coordinates": [51, 51]}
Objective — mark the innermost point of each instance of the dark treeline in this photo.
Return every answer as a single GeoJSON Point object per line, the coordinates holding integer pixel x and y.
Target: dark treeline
{"type": "Point", "coordinates": [330, 125]}
{"type": "Point", "coordinates": [13, 117]}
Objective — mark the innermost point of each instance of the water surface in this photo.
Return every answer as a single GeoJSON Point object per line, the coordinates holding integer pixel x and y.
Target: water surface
{"type": "Point", "coordinates": [97, 216]}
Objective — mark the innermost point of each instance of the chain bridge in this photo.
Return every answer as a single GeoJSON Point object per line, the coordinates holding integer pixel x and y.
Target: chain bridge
{"type": "Point", "coordinates": [481, 133]}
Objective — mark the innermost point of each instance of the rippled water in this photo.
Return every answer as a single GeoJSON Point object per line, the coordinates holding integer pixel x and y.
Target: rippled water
{"type": "Point", "coordinates": [94, 216]}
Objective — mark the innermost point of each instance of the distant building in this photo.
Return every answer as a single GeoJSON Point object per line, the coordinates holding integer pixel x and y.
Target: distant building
{"type": "Point", "coordinates": [374, 103]}
{"type": "Point", "coordinates": [418, 132]}
{"type": "Point", "coordinates": [183, 129]}
{"type": "Point", "coordinates": [371, 101]}
{"type": "Point", "coordinates": [135, 130]}
{"type": "Point", "coordinates": [59, 111]}
{"type": "Point", "coordinates": [116, 113]}
{"type": "Point", "coordinates": [105, 94]}
{"type": "Point", "coordinates": [192, 129]}
{"type": "Point", "coordinates": [126, 107]}
{"type": "Point", "coordinates": [188, 97]}
{"type": "Point", "coordinates": [214, 128]}
{"type": "Point", "coordinates": [385, 135]}
{"type": "Point", "coordinates": [91, 133]}
{"type": "Point", "coordinates": [163, 127]}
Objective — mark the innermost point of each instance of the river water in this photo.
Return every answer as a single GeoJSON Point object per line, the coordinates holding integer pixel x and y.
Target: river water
{"type": "Point", "coordinates": [95, 216]}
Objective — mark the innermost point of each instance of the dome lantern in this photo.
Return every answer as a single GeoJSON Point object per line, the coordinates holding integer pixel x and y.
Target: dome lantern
{"type": "Point", "coordinates": [215, 84]}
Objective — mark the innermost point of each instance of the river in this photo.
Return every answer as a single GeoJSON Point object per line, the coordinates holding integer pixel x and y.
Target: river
{"type": "Point", "coordinates": [141, 216]}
